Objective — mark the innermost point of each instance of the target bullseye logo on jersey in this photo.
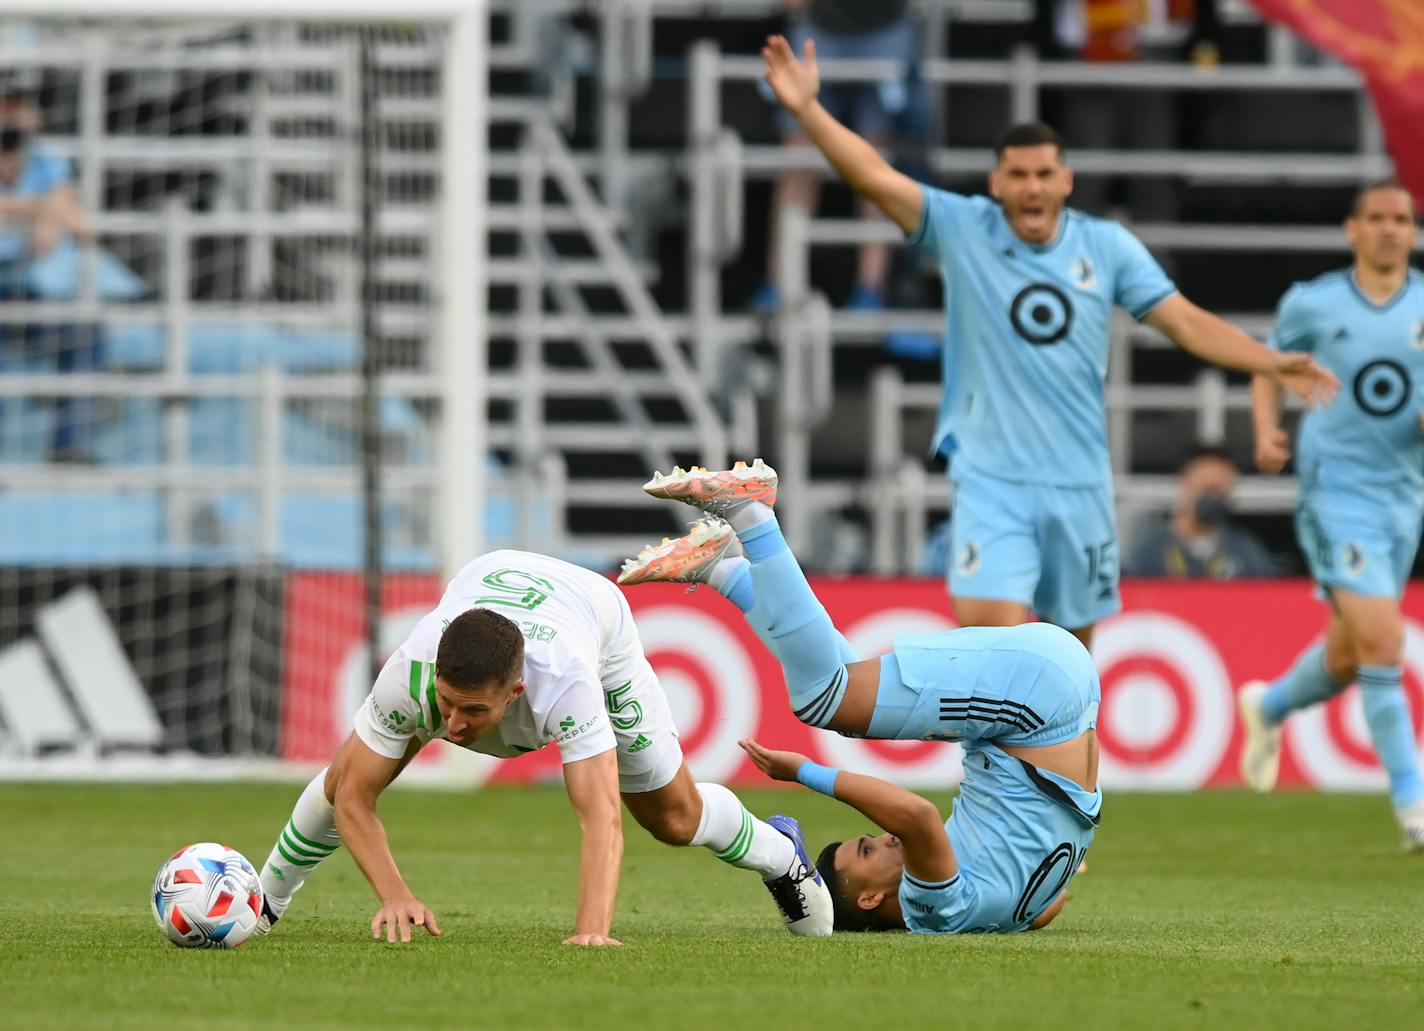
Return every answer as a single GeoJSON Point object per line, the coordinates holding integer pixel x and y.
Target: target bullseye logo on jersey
{"type": "Point", "coordinates": [1167, 708]}
{"type": "Point", "coordinates": [1041, 313]}
{"type": "Point", "coordinates": [1382, 387]}
{"type": "Point", "coordinates": [1330, 743]}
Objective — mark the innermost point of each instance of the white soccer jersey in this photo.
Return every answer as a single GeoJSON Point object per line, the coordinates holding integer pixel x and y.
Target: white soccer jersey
{"type": "Point", "coordinates": [576, 626]}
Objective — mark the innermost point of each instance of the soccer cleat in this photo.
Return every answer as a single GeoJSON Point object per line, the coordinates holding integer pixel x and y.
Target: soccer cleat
{"type": "Point", "coordinates": [272, 909]}
{"type": "Point", "coordinates": [688, 560]}
{"type": "Point", "coordinates": [800, 893]}
{"type": "Point", "coordinates": [1411, 822]}
{"type": "Point", "coordinates": [1261, 754]}
{"type": "Point", "coordinates": [717, 493]}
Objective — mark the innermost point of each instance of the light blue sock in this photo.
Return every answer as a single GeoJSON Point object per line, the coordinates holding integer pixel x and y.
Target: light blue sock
{"type": "Point", "coordinates": [738, 588]}
{"type": "Point", "coordinates": [794, 626]}
{"type": "Point", "coordinates": [1387, 713]}
{"type": "Point", "coordinates": [1306, 684]}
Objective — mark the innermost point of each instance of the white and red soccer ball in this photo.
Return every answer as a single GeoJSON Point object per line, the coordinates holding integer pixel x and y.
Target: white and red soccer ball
{"type": "Point", "coordinates": [207, 896]}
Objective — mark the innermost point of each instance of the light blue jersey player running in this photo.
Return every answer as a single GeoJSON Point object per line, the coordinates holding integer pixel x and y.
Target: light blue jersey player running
{"type": "Point", "coordinates": [1361, 469]}
{"type": "Point", "coordinates": [1022, 699]}
{"type": "Point", "coordinates": [1029, 288]}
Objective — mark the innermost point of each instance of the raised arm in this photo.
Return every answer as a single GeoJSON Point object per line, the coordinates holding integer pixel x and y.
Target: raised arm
{"type": "Point", "coordinates": [913, 819]}
{"type": "Point", "coordinates": [1215, 340]}
{"type": "Point", "coordinates": [357, 777]}
{"type": "Point", "coordinates": [796, 83]}
{"type": "Point", "coordinates": [592, 785]}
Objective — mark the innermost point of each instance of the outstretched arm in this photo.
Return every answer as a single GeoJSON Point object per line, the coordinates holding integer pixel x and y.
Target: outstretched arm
{"type": "Point", "coordinates": [592, 785]}
{"type": "Point", "coordinates": [1215, 340]}
{"type": "Point", "coordinates": [358, 775]}
{"type": "Point", "coordinates": [913, 819]}
{"type": "Point", "coordinates": [796, 83]}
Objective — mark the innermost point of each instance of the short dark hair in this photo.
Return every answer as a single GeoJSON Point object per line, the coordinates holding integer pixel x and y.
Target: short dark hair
{"type": "Point", "coordinates": [480, 647]}
{"type": "Point", "coordinates": [1029, 134]}
{"type": "Point", "coordinates": [1379, 184]}
{"type": "Point", "coordinates": [847, 915]}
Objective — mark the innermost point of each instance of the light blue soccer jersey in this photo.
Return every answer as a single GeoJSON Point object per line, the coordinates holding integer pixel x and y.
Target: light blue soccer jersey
{"type": "Point", "coordinates": [1026, 336]}
{"type": "Point", "coordinates": [1018, 834]}
{"type": "Point", "coordinates": [1369, 439]}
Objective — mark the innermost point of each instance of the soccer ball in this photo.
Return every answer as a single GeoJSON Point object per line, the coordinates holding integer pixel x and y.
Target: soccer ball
{"type": "Point", "coordinates": [207, 896]}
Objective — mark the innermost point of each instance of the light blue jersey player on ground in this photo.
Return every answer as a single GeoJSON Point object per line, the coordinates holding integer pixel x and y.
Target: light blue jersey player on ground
{"type": "Point", "coordinates": [1029, 288]}
{"type": "Point", "coordinates": [1361, 469]}
{"type": "Point", "coordinates": [1023, 700]}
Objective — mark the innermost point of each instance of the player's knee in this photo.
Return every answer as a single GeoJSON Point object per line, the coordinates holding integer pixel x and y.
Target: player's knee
{"type": "Point", "coordinates": [1379, 646]}
{"type": "Point", "coordinates": [675, 825]}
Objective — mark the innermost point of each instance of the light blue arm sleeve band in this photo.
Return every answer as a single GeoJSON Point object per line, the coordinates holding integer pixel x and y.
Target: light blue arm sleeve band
{"type": "Point", "coordinates": [818, 778]}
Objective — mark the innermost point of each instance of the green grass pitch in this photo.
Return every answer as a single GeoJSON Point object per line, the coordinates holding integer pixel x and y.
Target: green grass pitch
{"type": "Point", "coordinates": [1203, 911]}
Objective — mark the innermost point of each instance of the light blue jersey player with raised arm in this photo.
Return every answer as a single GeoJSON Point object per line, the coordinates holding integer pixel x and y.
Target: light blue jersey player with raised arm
{"type": "Point", "coordinates": [1361, 469]}
{"type": "Point", "coordinates": [1029, 288]}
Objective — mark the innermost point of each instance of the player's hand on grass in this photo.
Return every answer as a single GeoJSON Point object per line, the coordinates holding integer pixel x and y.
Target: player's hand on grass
{"type": "Point", "coordinates": [776, 765]}
{"type": "Point", "coordinates": [592, 939]}
{"type": "Point", "coordinates": [398, 916]}
{"type": "Point", "coordinates": [1312, 383]}
{"type": "Point", "coordinates": [795, 82]}
{"type": "Point", "coordinates": [1272, 450]}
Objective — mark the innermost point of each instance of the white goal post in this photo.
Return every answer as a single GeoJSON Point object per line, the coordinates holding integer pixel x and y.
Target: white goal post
{"type": "Point", "coordinates": [220, 619]}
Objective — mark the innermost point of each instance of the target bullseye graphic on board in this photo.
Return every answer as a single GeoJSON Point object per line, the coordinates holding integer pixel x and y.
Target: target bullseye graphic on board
{"type": "Point", "coordinates": [710, 683]}
{"type": "Point", "coordinates": [1167, 711]}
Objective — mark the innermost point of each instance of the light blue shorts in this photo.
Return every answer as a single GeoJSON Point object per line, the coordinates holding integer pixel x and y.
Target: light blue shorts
{"type": "Point", "coordinates": [1357, 543]}
{"type": "Point", "coordinates": [1051, 548]}
{"type": "Point", "coordinates": [1026, 685]}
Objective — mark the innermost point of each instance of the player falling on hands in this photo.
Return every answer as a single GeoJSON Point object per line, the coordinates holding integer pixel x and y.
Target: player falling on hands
{"type": "Point", "coordinates": [1023, 700]}
{"type": "Point", "coordinates": [521, 651]}
{"type": "Point", "coordinates": [1029, 288]}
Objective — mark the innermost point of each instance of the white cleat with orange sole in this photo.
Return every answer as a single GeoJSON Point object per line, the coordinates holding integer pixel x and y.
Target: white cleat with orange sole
{"type": "Point", "coordinates": [717, 493]}
{"type": "Point", "coordinates": [688, 560]}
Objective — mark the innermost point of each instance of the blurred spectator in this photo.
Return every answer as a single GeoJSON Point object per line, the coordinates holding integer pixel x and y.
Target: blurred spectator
{"type": "Point", "coordinates": [39, 217]}
{"type": "Point", "coordinates": [1147, 119]}
{"type": "Point", "coordinates": [844, 30]}
{"type": "Point", "coordinates": [1199, 539]}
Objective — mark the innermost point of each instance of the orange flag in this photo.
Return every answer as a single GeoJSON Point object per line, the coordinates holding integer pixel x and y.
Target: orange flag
{"type": "Point", "coordinates": [1384, 39]}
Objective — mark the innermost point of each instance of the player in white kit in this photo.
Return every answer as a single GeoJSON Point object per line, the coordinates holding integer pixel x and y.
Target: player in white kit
{"type": "Point", "coordinates": [521, 651]}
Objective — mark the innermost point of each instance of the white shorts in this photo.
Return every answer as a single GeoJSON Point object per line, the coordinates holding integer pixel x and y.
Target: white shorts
{"type": "Point", "coordinates": [649, 753]}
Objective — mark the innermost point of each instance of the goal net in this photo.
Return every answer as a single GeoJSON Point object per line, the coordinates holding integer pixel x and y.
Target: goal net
{"type": "Point", "coordinates": [226, 355]}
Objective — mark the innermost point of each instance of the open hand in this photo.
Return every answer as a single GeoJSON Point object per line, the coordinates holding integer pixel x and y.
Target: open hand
{"type": "Point", "coordinates": [400, 915]}
{"type": "Point", "coordinates": [592, 939]}
{"type": "Point", "coordinates": [794, 82]}
{"type": "Point", "coordinates": [1272, 450]}
{"type": "Point", "coordinates": [1314, 384]}
{"type": "Point", "coordinates": [776, 765]}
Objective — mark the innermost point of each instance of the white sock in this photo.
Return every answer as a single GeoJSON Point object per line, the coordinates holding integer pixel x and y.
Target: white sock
{"type": "Point", "coordinates": [308, 838]}
{"type": "Point", "coordinates": [737, 837]}
{"type": "Point", "coordinates": [726, 569]}
{"type": "Point", "coordinates": [753, 513]}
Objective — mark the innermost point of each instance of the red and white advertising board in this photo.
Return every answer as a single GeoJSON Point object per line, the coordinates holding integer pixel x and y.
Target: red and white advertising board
{"type": "Point", "coordinates": [1170, 663]}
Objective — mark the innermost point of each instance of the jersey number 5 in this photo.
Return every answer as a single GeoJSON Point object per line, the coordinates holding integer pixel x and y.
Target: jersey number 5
{"type": "Point", "coordinates": [623, 712]}
{"type": "Point", "coordinates": [517, 590]}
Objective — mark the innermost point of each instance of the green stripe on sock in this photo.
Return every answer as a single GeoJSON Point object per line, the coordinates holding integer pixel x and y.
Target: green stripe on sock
{"type": "Point", "coordinates": [305, 853]}
{"type": "Point", "coordinates": [292, 829]}
{"type": "Point", "coordinates": [741, 844]}
{"type": "Point", "coordinates": [430, 697]}
{"type": "Point", "coordinates": [293, 859]}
